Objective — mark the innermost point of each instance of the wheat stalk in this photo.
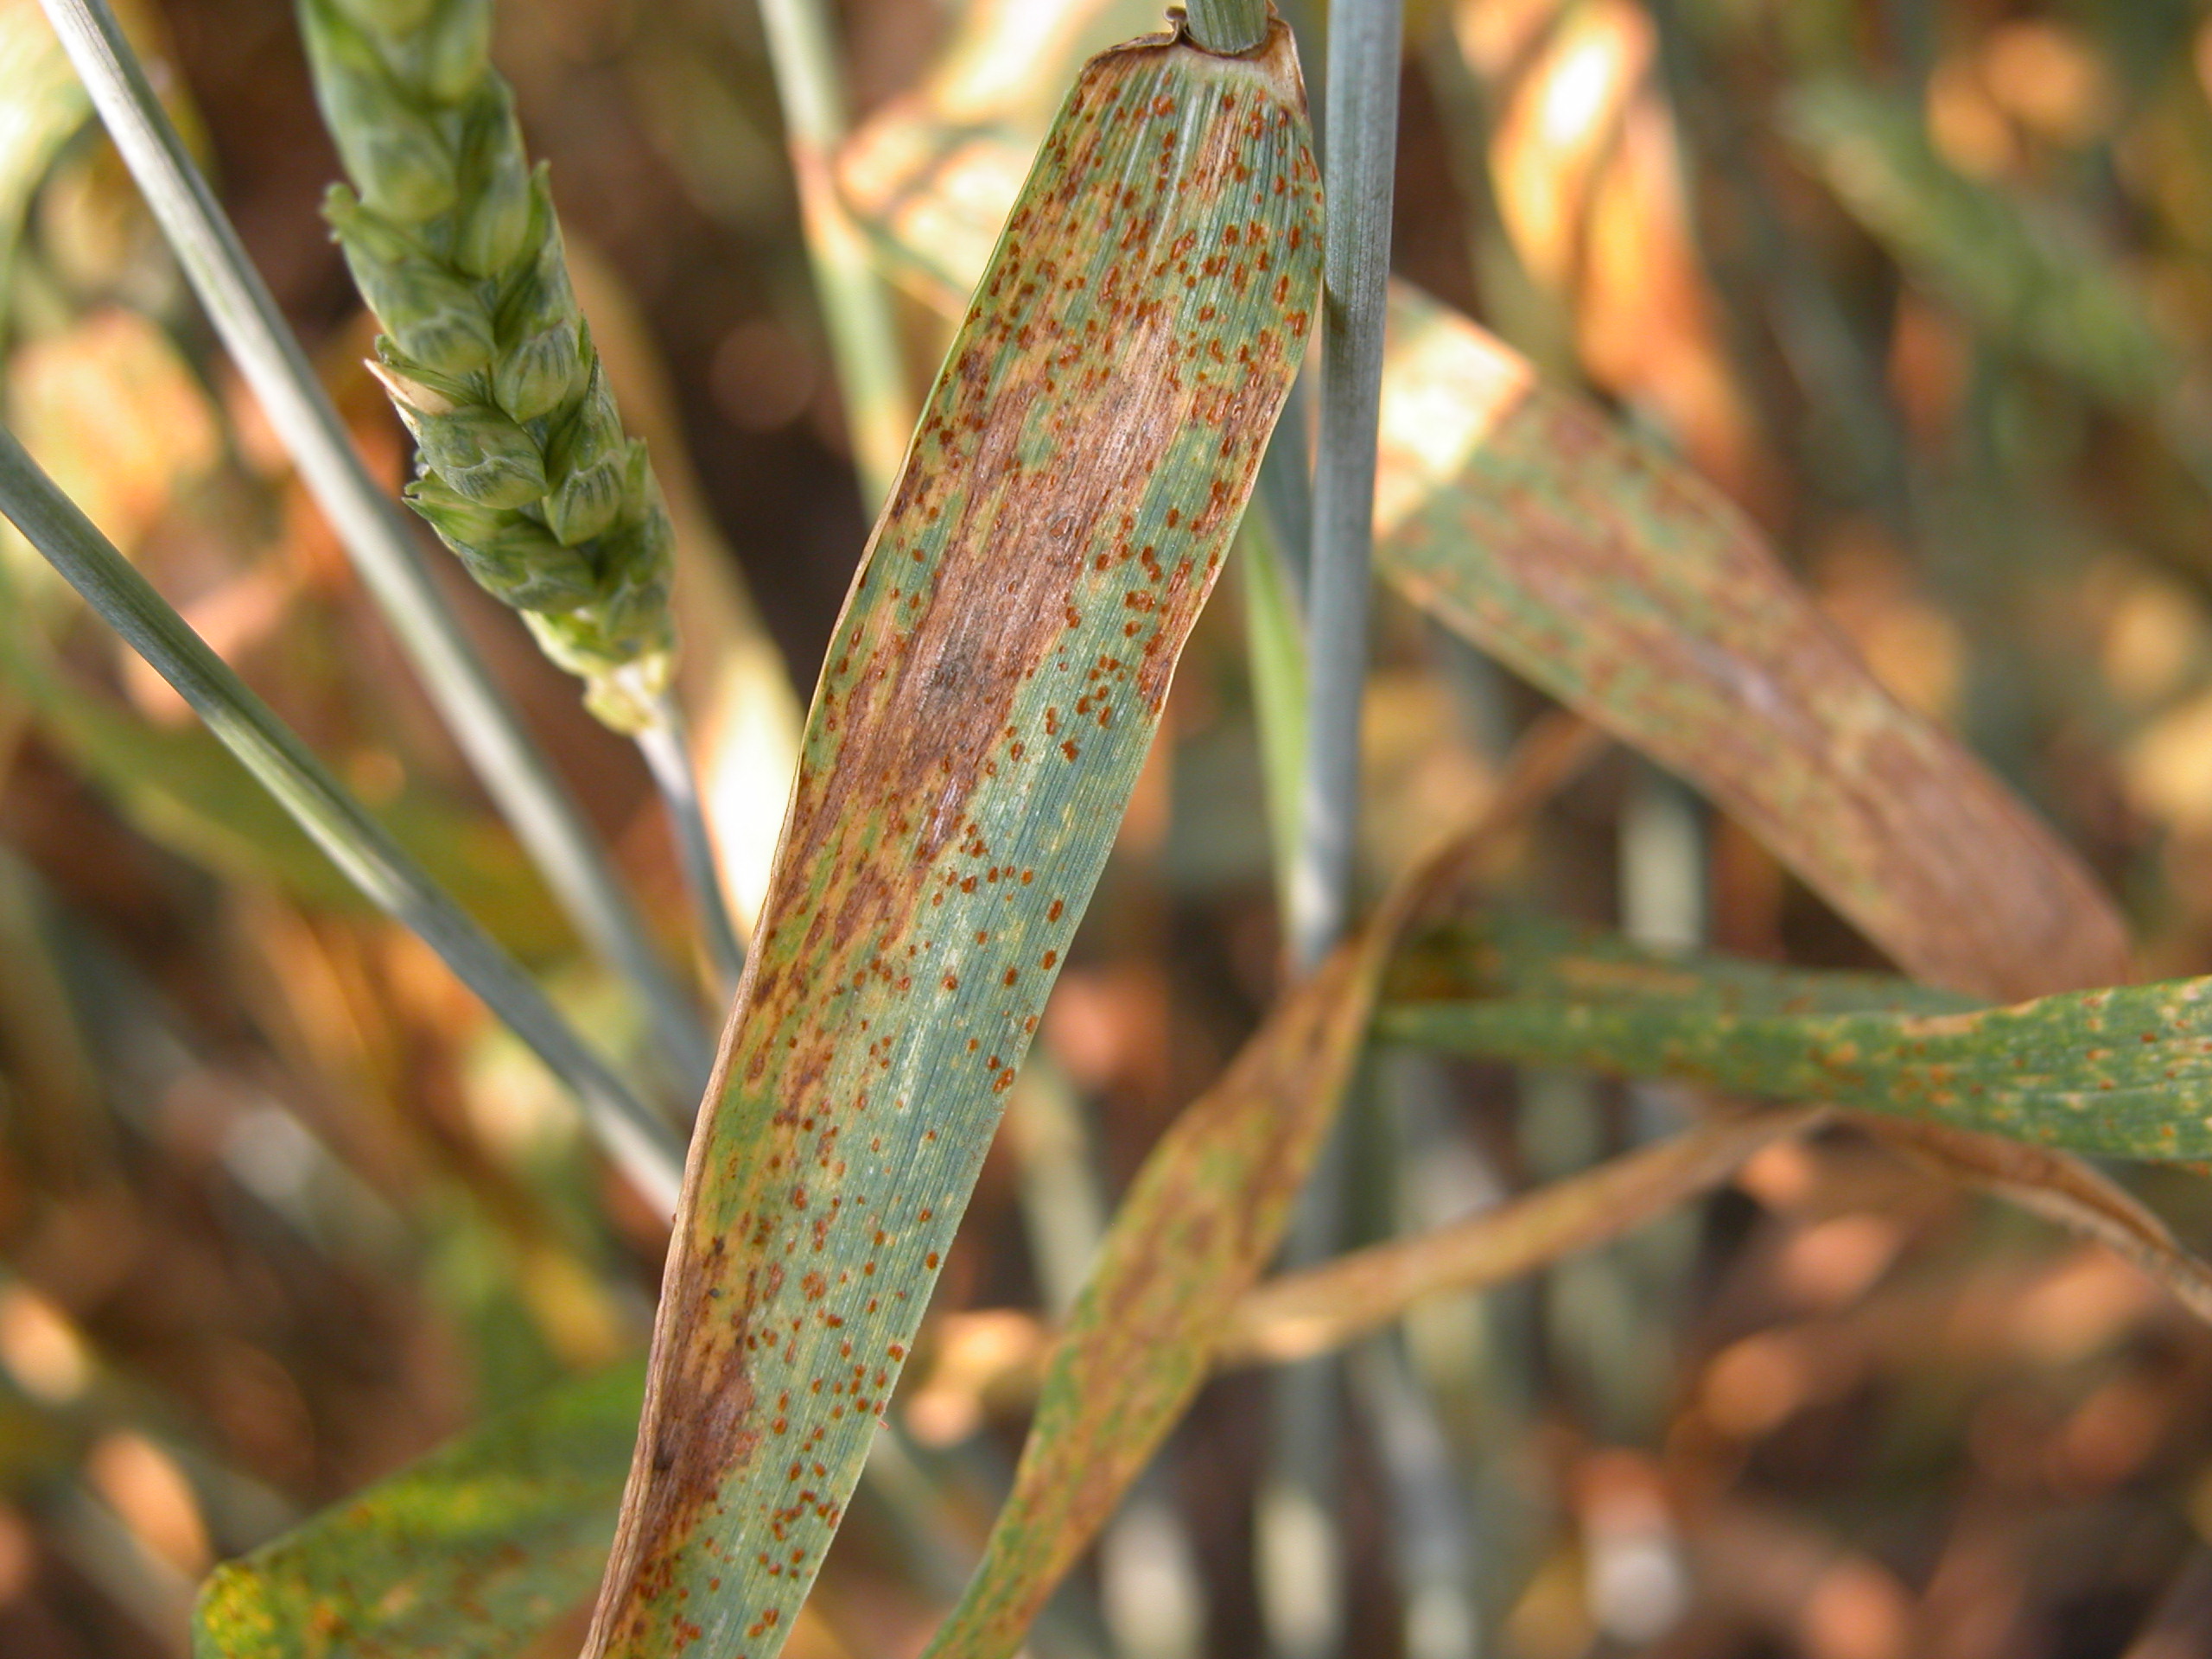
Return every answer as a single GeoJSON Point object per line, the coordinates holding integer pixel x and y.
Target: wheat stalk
{"type": "Point", "coordinates": [452, 238]}
{"type": "Point", "coordinates": [640, 1141]}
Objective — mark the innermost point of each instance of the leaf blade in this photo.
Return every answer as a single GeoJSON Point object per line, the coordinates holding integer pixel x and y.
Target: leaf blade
{"type": "Point", "coordinates": [2121, 1070]}
{"type": "Point", "coordinates": [1299, 1315]}
{"type": "Point", "coordinates": [990, 692]}
{"type": "Point", "coordinates": [1637, 595]}
{"type": "Point", "coordinates": [467, 1553]}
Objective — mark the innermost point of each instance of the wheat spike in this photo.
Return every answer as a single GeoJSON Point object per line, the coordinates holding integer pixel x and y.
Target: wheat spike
{"type": "Point", "coordinates": [523, 469]}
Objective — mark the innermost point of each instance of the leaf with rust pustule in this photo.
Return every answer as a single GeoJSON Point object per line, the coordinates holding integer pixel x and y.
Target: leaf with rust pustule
{"type": "Point", "coordinates": [2126, 1070]}
{"type": "Point", "coordinates": [1639, 597]}
{"type": "Point", "coordinates": [990, 692]}
{"type": "Point", "coordinates": [467, 1555]}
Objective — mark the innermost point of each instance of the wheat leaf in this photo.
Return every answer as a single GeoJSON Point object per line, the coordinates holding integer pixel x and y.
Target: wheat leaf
{"type": "Point", "coordinates": [2126, 1070]}
{"type": "Point", "coordinates": [989, 695]}
{"type": "Point", "coordinates": [1636, 593]}
{"type": "Point", "coordinates": [468, 1553]}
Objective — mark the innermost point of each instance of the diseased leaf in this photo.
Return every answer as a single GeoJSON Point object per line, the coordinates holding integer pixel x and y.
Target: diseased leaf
{"type": "Point", "coordinates": [1634, 593]}
{"type": "Point", "coordinates": [1311, 1312]}
{"type": "Point", "coordinates": [467, 1555]}
{"type": "Point", "coordinates": [2126, 1070]}
{"type": "Point", "coordinates": [1203, 1217]}
{"type": "Point", "coordinates": [1637, 595]}
{"type": "Point", "coordinates": [991, 689]}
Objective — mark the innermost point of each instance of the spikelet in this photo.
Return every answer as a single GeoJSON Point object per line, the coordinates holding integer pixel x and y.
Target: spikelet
{"type": "Point", "coordinates": [451, 237]}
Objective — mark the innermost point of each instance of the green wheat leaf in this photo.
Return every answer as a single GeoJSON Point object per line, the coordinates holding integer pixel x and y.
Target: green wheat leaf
{"type": "Point", "coordinates": [2125, 1071]}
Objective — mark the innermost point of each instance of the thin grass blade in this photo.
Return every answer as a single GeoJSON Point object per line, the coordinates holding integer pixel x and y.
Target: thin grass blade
{"type": "Point", "coordinates": [1327, 1306]}
{"type": "Point", "coordinates": [990, 693]}
{"type": "Point", "coordinates": [640, 1141]}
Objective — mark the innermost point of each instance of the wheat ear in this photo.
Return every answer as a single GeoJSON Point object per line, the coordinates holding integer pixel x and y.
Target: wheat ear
{"type": "Point", "coordinates": [523, 469]}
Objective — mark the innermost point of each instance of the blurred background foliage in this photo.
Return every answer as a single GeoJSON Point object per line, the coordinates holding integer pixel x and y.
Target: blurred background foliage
{"type": "Point", "coordinates": [1926, 285]}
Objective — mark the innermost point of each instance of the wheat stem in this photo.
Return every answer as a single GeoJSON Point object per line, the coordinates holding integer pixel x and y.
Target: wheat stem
{"type": "Point", "coordinates": [1227, 27]}
{"type": "Point", "coordinates": [879, 406]}
{"type": "Point", "coordinates": [1301, 1554]}
{"type": "Point", "coordinates": [561, 843]}
{"type": "Point", "coordinates": [639, 1142]}
{"type": "Point", "coordinates": [1362, 126]}
{"type": "Point", "coordinates": [668, 756]}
